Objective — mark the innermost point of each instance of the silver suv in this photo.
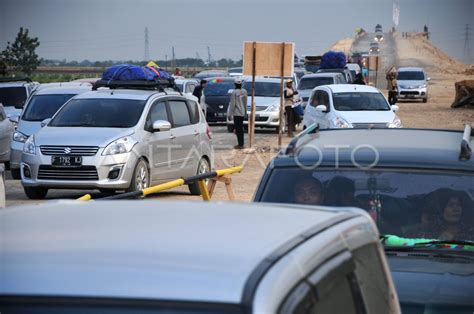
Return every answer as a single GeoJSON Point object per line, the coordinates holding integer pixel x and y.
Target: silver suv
{"type": "Point", "coordinates": [118, 139]}
{"type": "Point", "coordinates": [13, 94]}
{"type": "Point", "coordinates": [43, 104]}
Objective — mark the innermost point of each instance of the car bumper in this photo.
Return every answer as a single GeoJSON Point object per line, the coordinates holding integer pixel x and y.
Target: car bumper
{"type": "Point", "coordinates": [94, 172]}
{"type": "Point", "coordinates": [269, 119]}
{"type": "Point", "coordinates": [15, 154]}
{"type": "Point", "coordinates": [412, 93]}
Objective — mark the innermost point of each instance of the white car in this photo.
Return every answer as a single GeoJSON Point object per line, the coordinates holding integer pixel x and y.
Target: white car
{"type": "Point", "coordinates": [310, 81]}
{"type": "Point", "coordinates": [350, 106]}
{"type": "Point", "coordinates": [186, 85]}
{"type": "Point", "coordinates": [412, 84]}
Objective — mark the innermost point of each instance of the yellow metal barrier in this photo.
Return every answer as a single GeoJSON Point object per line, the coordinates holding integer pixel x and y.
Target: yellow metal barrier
{"type": "Point", "coordinates": [199, 179]}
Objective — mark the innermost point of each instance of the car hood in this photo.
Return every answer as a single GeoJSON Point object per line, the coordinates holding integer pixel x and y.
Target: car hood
{"type": "Point", "coordinates": [433, 280]}
{"type": "Point", "coordinates": [79, 136]}
{"type": "Point", "coordinates": [28, 127]}
{"type": "Point", "coordinates": [410, 83]}
{"type": "Point", "coordinates": [263, 101]}
{"type": "Point", "coordinates": [12, 111]}
{"type": "Point", "coordinates": [367, 116]}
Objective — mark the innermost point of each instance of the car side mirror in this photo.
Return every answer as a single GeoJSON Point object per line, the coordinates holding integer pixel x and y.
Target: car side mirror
{"type": "Point", "coordinates": [395, 108]}
{"type": "Point", "coordinates": [428, 79]}
{"type": "Point", "coordinates": [322, 108]}
{"type": "Point", "coordinates": [19, 106]}
{"type": "Point", "coordinates": [45, 122]}
{"type": "Point", "coordinates": [161, 126]}
{"type": "Point", "coordinates": [14, 119]}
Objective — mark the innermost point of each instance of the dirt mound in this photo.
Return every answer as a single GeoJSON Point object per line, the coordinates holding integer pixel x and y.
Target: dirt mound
{"type": "Point", "coordinates": [416, 50]}
{"type": "Point", "coordinates": [343, 45]}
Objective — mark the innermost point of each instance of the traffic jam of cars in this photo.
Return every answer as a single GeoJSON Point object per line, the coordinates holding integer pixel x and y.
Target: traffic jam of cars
{"type": "Point", "coordinates": [356, 214]}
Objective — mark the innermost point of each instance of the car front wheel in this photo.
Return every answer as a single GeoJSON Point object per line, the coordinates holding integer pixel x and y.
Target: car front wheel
{"type": "Point", "coordinates": [35, 193]}
{"type": "Point", "coordinates": [203, 167]}
{"type": "Point", "coordinates": [141, 177]}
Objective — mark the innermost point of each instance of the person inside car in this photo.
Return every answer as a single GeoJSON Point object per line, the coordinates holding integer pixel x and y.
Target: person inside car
{"type": "Point", "coordinates": [340, 192]}
{"type": "Point", "coordinates": [309, 192]}
{"type": "Point", "coordinates": [456, 221]}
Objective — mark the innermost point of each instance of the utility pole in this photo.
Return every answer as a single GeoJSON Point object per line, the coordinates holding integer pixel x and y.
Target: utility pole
{"type": "Point", "coordinates": [467, 46]}
{"type": "Point", "coordinates": [146, 54]}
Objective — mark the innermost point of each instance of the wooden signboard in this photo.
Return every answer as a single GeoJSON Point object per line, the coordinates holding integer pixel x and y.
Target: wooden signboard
{"type": "Point", "coordinates": [268, 59]}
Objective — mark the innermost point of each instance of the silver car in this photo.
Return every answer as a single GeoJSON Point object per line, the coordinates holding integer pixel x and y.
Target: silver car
{"type": "Point", "coordinates": [43, 104]}
{"type": "Point", "coordinates": [6, 130]}
{"type": "Point", "coordinates": [412, 84]}
{"type": "Point", "coordinates": [183, 257]}
{"type": "Point", "coordinates": [310, 81]}
{"type": "Point", "coordinates": [13, 94]}
{"type": "Point", "coordinates": [118, 139]}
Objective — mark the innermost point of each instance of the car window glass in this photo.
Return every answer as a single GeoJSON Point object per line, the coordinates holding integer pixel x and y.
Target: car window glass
{"type": "Point", "coordinates": [190, 88]}
{"type": "Point", "coordinates": [316, 98]}
{"type": "Point", "coordinates": [42, 107]}
{"type": "Point", "coordinates": [194, 111]}
{"type": "Point", "coordinates": [300, 300]}
{"type": "Point", "coordinates": [13, 96]}
{"type": "Point", "coordinates": [157, 112]}
{"type": "Point", "coordinates": [371, 278]}
{"type": "Point", "coordinates": [179, 113]}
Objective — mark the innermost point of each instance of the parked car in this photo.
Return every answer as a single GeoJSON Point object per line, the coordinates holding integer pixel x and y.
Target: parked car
{"type": "Point", "coordinates": [186, 85]}
{"type": "Point", "coordinates": [13, 94]}
{"type": "Point", "coordinates": [119, 139]}
{"type": "Point", "coordinates": [374, 48]}
{"type": "Point", "coordinates": [43, 104]}
{"type": "Point", "coordinates": [6, 131]}
{"type": "Point", "coordinates": [236, 71]}
{"type": "Point", "coordinates": [184, 257]}
{"type": "Point", "coordinates": [354, 68]}
{"type": "Point", "coordinates": [310, 81]}
{"type": "Point", "coordinates": [412, 84]}
{"type": "Point", "coordinates": [417, 185]}
{"type": "Point", "coordinates": [217, 96]}
{"type": "Point", "coordinates": [346, 72]}
{"type": "Point", "coordinates": [210, 73]}
{"type": "Point", "coordinates": [267, 102]}
{"type": "Point", "coordinates": [299, 73]}
{"type": "Point", "coordinates": [350, 106]}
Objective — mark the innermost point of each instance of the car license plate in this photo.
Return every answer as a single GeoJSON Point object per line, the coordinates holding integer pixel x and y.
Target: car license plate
{"type": "Point", "coordinates": [221, 114]}
{"type": "Point", "coordinates": [66, 161]}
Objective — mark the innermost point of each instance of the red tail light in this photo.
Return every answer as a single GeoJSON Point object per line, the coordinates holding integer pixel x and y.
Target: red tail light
{"type": "Point", "coordinates": [208, 131]}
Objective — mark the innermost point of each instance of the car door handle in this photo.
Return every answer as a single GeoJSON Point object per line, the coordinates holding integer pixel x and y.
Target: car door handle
{"type": "Point", "coordinates": [172, 137]}
{"type": "Point", "coordinates": [196, 133]}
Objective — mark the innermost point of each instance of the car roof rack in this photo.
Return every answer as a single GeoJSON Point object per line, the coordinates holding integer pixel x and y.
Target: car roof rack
{"type": "Point", "coordinates": [15, 79]}
{"type": "Point", "coordinates": [291, 148]}
{"type": "Point", "coordinates": [466, 150]}
{"type": "Point", "coordinates": [158, 84]}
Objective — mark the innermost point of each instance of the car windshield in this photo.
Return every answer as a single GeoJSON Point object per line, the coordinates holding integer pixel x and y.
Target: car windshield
{"type": "Point", "coordinates": [12, 96]}
{"type": "Point", "coordinates": [312, 82]}
{"type": "Point", "coordinates": [263, 89]}
{"type": "Point", "coordinates": [357, 101]}
{"type": "Point", "coordinates": [42, 107]}
{"type": "Point", "coordinates": [99, 113]}
{"type": "Point", "coordinates": [218, 88]}
{"type": "Point", "coordinates": [410, 76]}
{"type": "Point", "coordinates": [408, 205]}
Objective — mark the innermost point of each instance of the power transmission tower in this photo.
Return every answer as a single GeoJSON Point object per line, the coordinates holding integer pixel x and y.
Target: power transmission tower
{"type": "Point", "coordinates": [209, 55]}
{"type": "Point", "coordinates": [146, 55]}
{"type": "Point", "coordinates": [467, 45]}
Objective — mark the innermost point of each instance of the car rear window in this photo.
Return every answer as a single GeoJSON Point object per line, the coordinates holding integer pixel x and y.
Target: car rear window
{"type": "Point", "coordinates": [12, 96]}
{"type": "Point", "coordinates": [407, 204]}
{"type": "Point", "coordinates": [42, 107]}
{"type": "Point", "coordinates": [99, 113]}
{"type": "Point", "coordinates": [218, 88]}
{"type": "Point", "coordinates": [312, 82]}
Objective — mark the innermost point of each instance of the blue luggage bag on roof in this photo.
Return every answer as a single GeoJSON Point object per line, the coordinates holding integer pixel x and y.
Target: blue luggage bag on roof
{"type": "Point", "coordinates": [128, 72]}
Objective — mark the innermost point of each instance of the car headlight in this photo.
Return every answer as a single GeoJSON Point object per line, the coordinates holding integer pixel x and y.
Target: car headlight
{"type": "Point", "coordinates": [402, 86]}
{"type": "Point", "coordinates": [396, 123]}
{"type": "Point", "coordinates": [273, 107]}
{"type": "Point", "coordinates": [339, 122]}
{"type": "Point", "coordinates": [121, 146]}
{"type": "Point", "coordinates": [422, 86]}
{"type": "Point", "coordinates": [29, 147]}
{"type": "Point", "coordinates": [19, 137]}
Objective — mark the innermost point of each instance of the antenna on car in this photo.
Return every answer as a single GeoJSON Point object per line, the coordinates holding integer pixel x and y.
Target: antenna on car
{"type": "Point", "coordinates": [466, 151]}
{"type": "Point", "coordinates": [290, 149]}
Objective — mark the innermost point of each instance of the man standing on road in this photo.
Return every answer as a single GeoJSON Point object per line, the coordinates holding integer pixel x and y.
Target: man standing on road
{"type": "Point", "coordinates": [237, 111]}
{"type": "Point", "coordinates": [289, 94]}
{"type": "Point", "coordinates": [199, 93]}
{"type": "Point", "coordinates": [392, 87]}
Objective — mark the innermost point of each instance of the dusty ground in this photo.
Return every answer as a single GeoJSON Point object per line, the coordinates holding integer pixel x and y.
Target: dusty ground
{"type": "Point", "coordinates": [437, 113]}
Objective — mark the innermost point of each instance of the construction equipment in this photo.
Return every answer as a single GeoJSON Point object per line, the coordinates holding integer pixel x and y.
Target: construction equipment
{"type": "Point", "coordinates": [464, 94]}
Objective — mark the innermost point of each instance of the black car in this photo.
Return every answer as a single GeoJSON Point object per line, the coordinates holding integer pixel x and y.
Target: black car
{"type": "Point", "coordinates": [217, 97]}
{"type": "Point", "coordinates": [417, 185]}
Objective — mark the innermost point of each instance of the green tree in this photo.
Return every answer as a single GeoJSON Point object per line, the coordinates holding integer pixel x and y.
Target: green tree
{"type": "Point", "coordinates": [21, 55]}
